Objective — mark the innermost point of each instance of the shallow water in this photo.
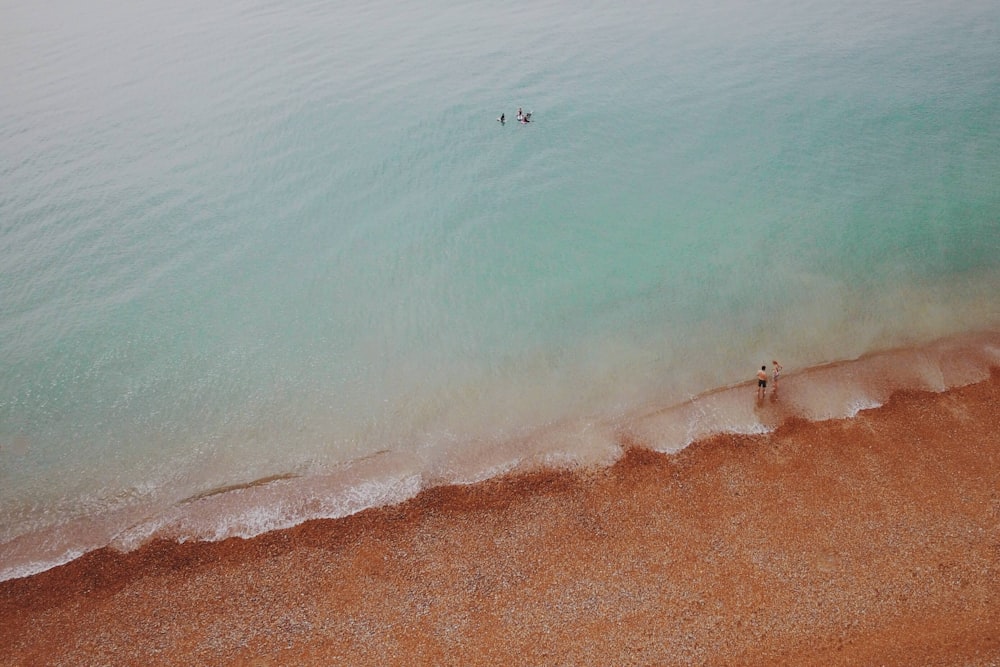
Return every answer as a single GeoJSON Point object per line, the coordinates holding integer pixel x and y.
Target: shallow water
{"type": "Point", "coordinates": [291, 243]}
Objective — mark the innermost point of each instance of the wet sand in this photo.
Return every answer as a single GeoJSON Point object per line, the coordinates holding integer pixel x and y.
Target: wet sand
{"type": "Point", "coordinates": [866, 541]}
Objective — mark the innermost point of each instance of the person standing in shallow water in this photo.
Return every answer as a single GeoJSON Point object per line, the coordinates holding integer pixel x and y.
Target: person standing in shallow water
{"type": "Point", "coordinates": [775, 372]}
{"type": "Point", "coordinates": [762, 382]}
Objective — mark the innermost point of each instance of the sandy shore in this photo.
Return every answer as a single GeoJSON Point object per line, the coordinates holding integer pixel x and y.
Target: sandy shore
{"type": "Point", "coordinates": [873, 540]}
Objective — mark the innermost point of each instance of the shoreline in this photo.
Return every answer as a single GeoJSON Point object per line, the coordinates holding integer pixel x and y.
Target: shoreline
{"type": "Point", "coordinates": [248, 508]}
{"type": "Point", "coordinates": [873, 539]}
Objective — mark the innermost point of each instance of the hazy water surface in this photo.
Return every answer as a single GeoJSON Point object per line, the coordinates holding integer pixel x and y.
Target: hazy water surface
{"type": "Point", "coordinates": [290, 242]}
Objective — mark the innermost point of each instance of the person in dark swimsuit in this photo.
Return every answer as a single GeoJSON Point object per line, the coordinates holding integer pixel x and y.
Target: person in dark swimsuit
{"type": "Point", "coordinates": [762, 382]}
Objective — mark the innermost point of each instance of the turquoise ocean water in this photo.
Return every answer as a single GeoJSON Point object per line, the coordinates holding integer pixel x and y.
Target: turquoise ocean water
{"type": "Point", "coordinates": [266, 261]}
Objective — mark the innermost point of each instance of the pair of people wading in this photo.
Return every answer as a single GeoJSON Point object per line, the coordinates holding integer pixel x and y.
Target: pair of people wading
{"type": "Point", "coordinates": [762, 379]}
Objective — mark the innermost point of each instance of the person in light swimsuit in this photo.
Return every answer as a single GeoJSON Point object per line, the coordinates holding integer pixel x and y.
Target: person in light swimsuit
{"type": "Point", "coordinates": [775, 372]}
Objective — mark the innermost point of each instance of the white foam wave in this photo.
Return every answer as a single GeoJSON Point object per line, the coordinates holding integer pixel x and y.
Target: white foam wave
{"type": "Point", "coordinates": [834, 390]}
{"type": "Point", "coordinates": [34, 567]}
{"type": "Point", "coordinates": [254, 510]}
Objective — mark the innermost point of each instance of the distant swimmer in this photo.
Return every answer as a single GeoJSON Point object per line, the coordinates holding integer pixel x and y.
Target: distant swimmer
{"type": "Point", "coordinates": [520, 114]}
{"type": "Point", "coordinates": [526, 118]}
{"type": "Point", "coordinates": [762, 382]}
{"type": "Point", "coordinates": [502, 119]}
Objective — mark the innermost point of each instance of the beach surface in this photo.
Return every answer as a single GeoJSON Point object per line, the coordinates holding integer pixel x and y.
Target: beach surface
{"type": "Point", "coordinates": [873, 540]}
